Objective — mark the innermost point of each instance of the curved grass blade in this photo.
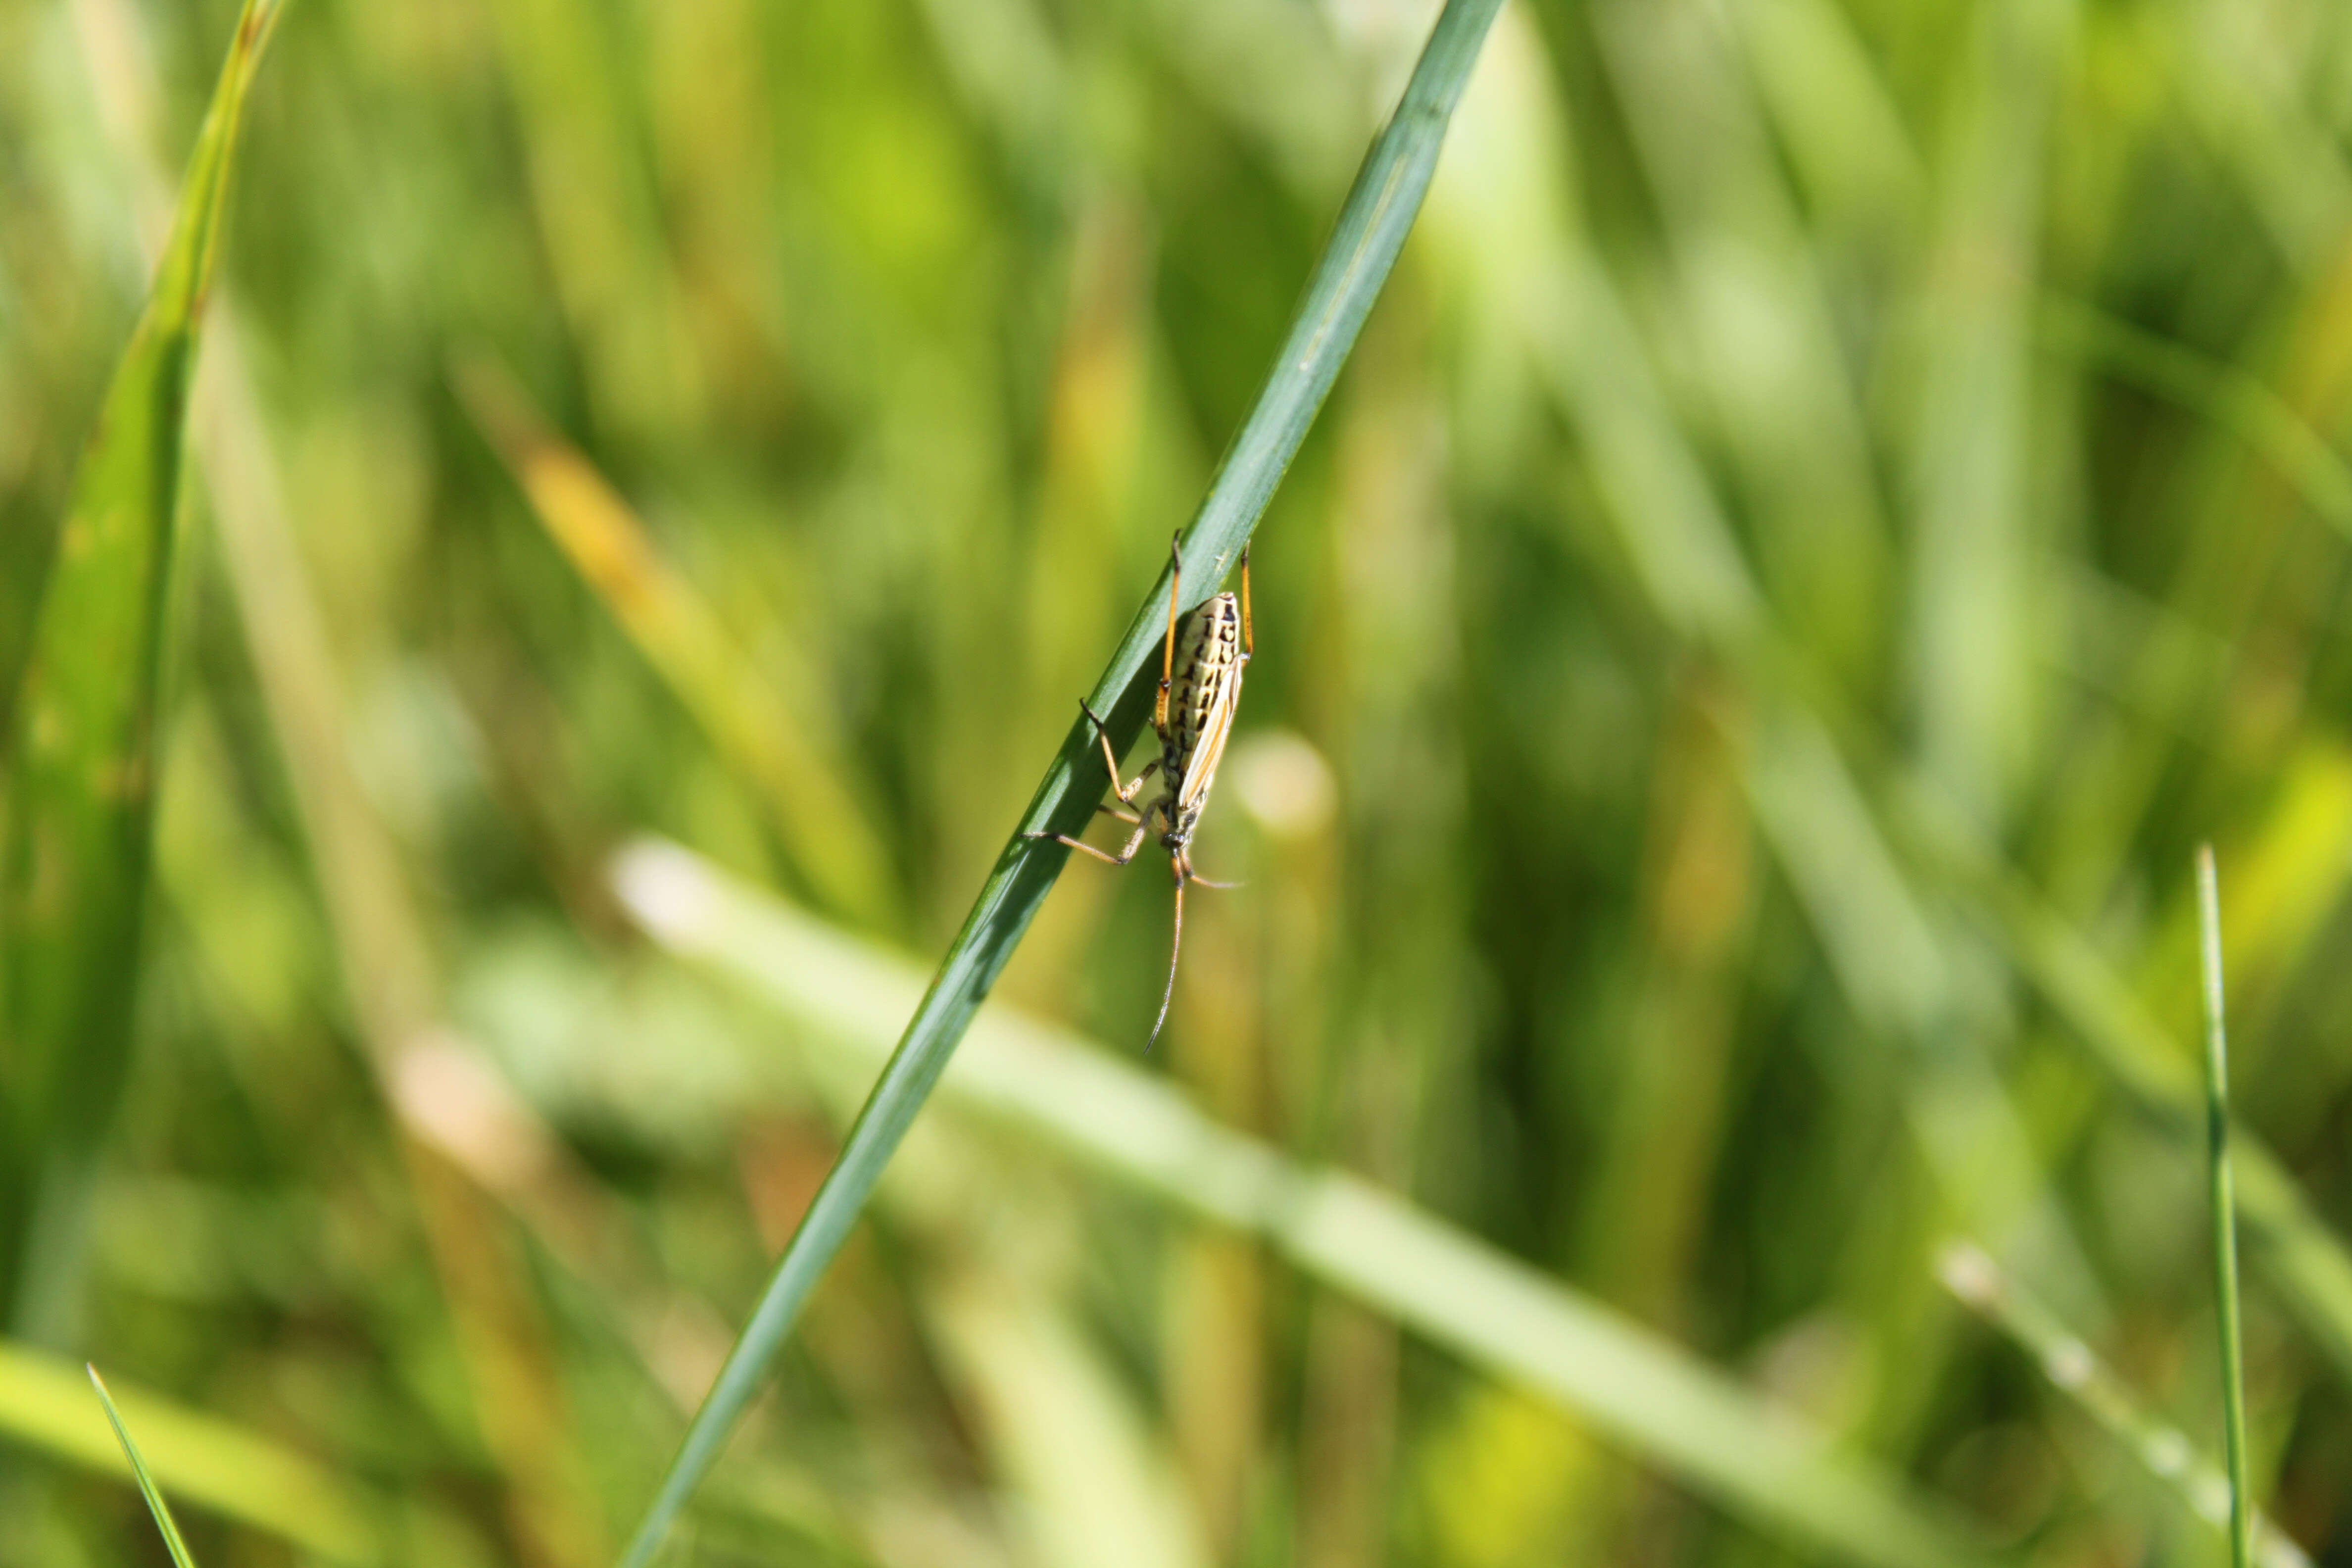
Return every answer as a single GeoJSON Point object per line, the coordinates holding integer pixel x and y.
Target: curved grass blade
{"type": "Point", "coordinates": [210, 1463]}
{"type": "Point", "coordinates": [164, 1523]}
{"type": "Point", "coordinates": [1355, 263]}
{"type": "Point", "coordinates": [1654, 1399]}
{"type": "Point", "coordinates": [73, 860]}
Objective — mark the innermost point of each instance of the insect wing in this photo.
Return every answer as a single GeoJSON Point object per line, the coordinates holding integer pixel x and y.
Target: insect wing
{"type": "Point", "coordinates": [1221, 701]}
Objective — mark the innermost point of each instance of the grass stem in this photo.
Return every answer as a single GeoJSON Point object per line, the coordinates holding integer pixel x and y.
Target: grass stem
{"type": "Point", "coordinates": [2225, 1226]}
{"type": "Point", "coordinates": [164, 1523]}
{"type": "Point", "coordinates": [1346, 279]}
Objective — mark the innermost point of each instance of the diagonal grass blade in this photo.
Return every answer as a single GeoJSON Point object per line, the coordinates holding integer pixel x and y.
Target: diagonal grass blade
{"type": "Point", "coordinates": [1355, 263]}
{"type": "Point", "coordinates": [74, 845]}
{"type": "Point", "coordinates": [155, 1503]}
{"type": "Point", "coordinates": [2070, 1367]}
{"type": "Point", "coordinates": [785, 749]}
{"type": "Point", "coordinates": [1508, 1320]}
{"type": "Point", "coordinates": [207, 1461]}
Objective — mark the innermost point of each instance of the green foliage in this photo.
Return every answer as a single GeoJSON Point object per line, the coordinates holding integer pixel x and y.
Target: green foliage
{"type": "Point", "coordinates": [1363, 247]}
{"type": "Point", "coordinates": [1835, 501]}
{"type": "Point", "coordinates": [1401, 1262]}
{"type": "Point", "coordinates": [81, 790]}
{"type": "Point", "coordinates": [2170, 1459]}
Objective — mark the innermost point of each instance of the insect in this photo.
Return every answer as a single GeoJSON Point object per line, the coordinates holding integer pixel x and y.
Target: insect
{"type": "Point", "coordinates": [1200, 688]}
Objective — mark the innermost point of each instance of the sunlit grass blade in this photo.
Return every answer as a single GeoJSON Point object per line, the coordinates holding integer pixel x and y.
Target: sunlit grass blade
{"type": "Point", "coordinates": [164, 1523]}
{"type": "Point", "coordinates": [788, 755]}
{"type": "Point", "coordinates": [1347, 279]}
{"type": "Point", "coordinates": [210, 1463]}
{"type": "Point", "coordinates": [1499, 1315]}
{"type": "Point", "coordinates": [2225, 1210]}
{"type": "Point", "coordinates": [2093, 1387]}
{"type": "Point", "coordinates": [74, 847]}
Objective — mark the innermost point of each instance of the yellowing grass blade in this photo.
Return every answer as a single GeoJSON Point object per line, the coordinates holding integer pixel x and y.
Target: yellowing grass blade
{"type": "Point", "coordinates": [785, 750]}
{"type": "Point", "coordinates": [73, 852]}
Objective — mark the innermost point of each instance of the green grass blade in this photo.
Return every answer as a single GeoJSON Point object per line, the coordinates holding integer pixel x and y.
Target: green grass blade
{"type": "Point", "coordinates": [2225, 1210]}
{"type": "Point", "coordinates": [2305, 1261]}
{"type": "Point", "coordinates": [204, 1460]}
{"type": "Point", "coordinates": [1497, 1313]}
{"type": "Point", "coordinates": [73, 860]}
{"type": "Point", "coordinates": [155, 1503]}
{"type": "Point", "coordinates": [1347, 279]}
{"type": "Point", "coordinates": [2095, 1388]}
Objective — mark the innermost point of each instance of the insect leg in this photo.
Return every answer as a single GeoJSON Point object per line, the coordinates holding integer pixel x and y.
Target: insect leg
{"type": "Point", "coordinates": [1168, 655]}
{"type": "Point", "coordinates": [1249, 642]}
{"type": "Point", "coordinates": [1121, 858]}
{"type": "Point", "coordinates": [1122, 815]}
{"type": "Point", "coordinates": [1184, 873]}
{"type": "Point", "coordinates": [1102, 733]}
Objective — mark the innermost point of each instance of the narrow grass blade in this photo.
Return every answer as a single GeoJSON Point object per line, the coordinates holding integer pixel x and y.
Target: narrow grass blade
{"type": "Point", "coordinates": [2305, 1261]}
{"type": "Point", "coordinates": [74, 847]}
{"type": "Point", "coordinates": [1347, 279]}
{"type": "Point", "coordinates": [1511, 1321]}
{"type": "Point", "coordinates": [45, 1410]}
{"type": "Point", "coordinates": [2075, 1372]}
{"type": "Point", "coordinates": [164, 1523]}
{"type": "Point", "coordinates": [2225, 1210]}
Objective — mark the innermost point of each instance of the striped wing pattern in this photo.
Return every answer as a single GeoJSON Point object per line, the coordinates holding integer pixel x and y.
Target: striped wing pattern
{"type": "Point", "coordinates": [1207, 691]}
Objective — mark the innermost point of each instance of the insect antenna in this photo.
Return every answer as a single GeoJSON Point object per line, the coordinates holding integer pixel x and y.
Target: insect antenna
{"type": "Point", "coordinates": [1175, 947]}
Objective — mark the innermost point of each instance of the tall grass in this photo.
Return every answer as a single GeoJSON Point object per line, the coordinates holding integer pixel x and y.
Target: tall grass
{"type": "Point", "coordinates": [2226, 1313]}
{"type": "Point", "coordinates": [1835, 503]}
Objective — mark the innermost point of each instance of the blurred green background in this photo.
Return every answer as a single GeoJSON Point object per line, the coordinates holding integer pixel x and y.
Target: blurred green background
{"type": "Point", "coordinates": [1838, 499]}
